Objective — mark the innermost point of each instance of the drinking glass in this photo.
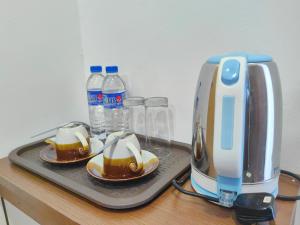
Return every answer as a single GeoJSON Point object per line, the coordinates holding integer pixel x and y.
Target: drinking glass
{"type": "Point", "coordinates": [135, 112]}
{"type": "Point", "coordinates": [158, 125]}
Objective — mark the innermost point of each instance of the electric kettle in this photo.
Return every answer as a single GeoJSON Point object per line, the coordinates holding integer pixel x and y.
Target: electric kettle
{"type": "Point", "coordinates": [237, 125]}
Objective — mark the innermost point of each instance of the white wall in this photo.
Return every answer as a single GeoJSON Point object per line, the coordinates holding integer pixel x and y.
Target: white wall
{"type": "Point", "coordinates": [2, 216]}
{"type": "Point", "coordinates": [161, 45]}
{"type": "Point", "coordinates": [41, 72]}
{"type": "Point", "coordinates": [42, 81]}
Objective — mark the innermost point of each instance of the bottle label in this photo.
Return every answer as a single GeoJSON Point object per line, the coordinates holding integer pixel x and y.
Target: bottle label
{"type": "Point", "coordinates": [95, 97]}
{"type": "Point", "coordinates": [113, 100]}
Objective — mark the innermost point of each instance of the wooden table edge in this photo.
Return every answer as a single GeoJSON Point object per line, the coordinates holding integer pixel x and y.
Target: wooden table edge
{"type": "Point", "coordinates": [26, 201]}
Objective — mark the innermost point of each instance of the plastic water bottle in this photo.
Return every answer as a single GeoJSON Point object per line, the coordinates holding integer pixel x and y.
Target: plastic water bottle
{"type": "Point", "coordinates": [114, 92]}
{"type": "Point", "coordinates": [95, 102]}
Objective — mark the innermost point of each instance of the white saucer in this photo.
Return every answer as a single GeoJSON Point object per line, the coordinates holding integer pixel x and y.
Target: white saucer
{"type": "Point", "coordinates": [95, 167]}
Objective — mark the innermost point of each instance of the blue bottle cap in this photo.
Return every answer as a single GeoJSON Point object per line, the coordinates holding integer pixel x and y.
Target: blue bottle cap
{"type": "Point", "coordinates": [96, 69]}
{"type": "Point", "coordinates": [111, 69]}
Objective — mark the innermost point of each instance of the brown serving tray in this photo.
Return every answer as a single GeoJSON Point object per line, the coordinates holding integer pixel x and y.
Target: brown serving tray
{"type": "Point", "coordinates": [126, 195]}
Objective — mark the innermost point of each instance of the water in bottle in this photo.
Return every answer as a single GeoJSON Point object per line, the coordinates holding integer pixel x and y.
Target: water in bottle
{"type": "Point", "coordinates": [95, 102]}
{"type": "Point", "coordinates": [114, 92]}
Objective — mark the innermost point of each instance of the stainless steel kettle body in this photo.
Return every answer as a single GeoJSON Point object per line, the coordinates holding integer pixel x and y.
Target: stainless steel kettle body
{"type": "Point", "coordinates": [237, 127]}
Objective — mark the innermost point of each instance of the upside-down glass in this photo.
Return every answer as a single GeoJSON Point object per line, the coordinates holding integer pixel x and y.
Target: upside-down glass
{"type": "Point", "coordinates": [135, 112]}
{"type": "Point", "coordinates": [158, 125]}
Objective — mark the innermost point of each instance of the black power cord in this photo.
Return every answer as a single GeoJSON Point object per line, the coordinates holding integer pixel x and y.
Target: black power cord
{"type": "Point", "coordinates": [289, 198]}
{"type": "Point", "coordinates": [177, 183]}
{"type": "Point", "coordinates": [249, 208]}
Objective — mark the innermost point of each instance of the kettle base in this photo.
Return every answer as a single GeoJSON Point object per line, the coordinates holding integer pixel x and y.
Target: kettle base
{"type": "Point", "coordinates": [206, 185]}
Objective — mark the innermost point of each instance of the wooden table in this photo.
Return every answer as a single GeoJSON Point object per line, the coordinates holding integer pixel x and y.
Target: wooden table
{"type": "Point", "coordinates": [50, 204]}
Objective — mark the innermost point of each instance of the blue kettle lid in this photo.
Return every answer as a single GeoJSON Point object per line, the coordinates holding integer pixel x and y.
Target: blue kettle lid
{"type": "Point", "coordinates": [251, 58]}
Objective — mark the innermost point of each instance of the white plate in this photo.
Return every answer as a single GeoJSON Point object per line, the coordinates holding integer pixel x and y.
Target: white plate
{"type": "Point", "coordinates": [95, 167]}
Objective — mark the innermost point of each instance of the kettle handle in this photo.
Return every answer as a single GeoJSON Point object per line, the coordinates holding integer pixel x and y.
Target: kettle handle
{"type": "Point", "coordinates": [229, 122]}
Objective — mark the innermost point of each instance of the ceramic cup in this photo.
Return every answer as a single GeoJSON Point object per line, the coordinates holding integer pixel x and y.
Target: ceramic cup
{"type": "Point", "coordinates": [123, 159]}
{"type": "Point", "coordinates": [71, 143]}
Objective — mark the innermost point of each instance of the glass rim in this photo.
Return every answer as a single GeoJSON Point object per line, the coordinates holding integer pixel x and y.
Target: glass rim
{"type": "Point", "coordinates": [134, 101]}
{"type": "Point", "coordinates": [156, 101]}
